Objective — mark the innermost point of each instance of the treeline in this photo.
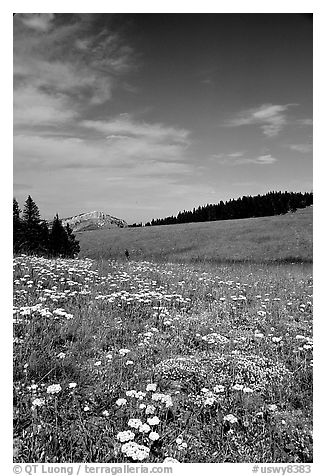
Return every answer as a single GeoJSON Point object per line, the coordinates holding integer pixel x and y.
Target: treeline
{"type": "Point", "coordinates": [272, 203]}
{"type": "Point", "coordinates": [32, 235]}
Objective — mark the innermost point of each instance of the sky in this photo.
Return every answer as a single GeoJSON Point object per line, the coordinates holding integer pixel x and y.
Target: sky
{"type": "Point", "coordinates": [145, 115]}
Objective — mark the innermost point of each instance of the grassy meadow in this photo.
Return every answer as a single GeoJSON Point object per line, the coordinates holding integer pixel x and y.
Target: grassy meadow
{"type": "Point", "coordinates": [285, 238]}
{"type": "Point", "coordinates": [152, 361]}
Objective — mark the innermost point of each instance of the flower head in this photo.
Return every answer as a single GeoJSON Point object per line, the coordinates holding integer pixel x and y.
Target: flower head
{"type": "Point", "coordinates": [231, 418]}
{"type": "Point", "coordinates": [144, 428]}
{"type": "Point", "coordinates": [134, 423]}
{"type": "Point", "coordinates": [121, 401]}
{"type": "Point", "coordinates": [135, 451]}
{"type": "Point", "coordinates": [153, 436]}
{"type": "Point", "coordinates": [168, 459]}
{"type": "Point", "coordinates": [125, 435]}
{"type": "Point", "coordinates": [38, 402]}
{"type": "Point", "coordinates": [150, 409]}
{"type": "Point", "coordinates": [219, 388]}
{"type": "Point", "coordinates": [153, 421]}
{"type": "Point", "coordinates": [55, 388]}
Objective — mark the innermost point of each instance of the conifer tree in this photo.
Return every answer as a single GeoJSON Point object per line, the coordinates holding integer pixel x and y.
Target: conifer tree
{"type": "Point", "coordinates": [17, 227]}
{"type": "Point", "coordinates": [32, 229]}
{"type": "Point", "coordinates": [58, 239]}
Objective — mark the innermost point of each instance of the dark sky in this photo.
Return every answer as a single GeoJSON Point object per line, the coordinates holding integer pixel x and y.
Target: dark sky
{"type": "Point", "coordinates": [143, 115]}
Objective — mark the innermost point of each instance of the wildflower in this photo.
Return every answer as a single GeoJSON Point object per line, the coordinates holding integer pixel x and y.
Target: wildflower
{"type": "Point", "coordinates": [125, 435]}
{"type": "Point", "coordinates": [272, 407]}
{"type": "Point", "coordinates": [237, 387]}
{"type": "Point", "coordinates": [61, 355]}
{"type": "Point", "coordinates": [231, 418]}
{"type": "Point", "coordinates": [129, 362]}
{"type": "Point", "coordinates": [135, 451]}
{"type": "Point", "coordinates": [204, 390]}
{"type": "Point", "coordinates": [105, 413]}
{"type": "Point", "coordinates": [121, 401]}
{"type": "Point", "coordinates": [153, 421]}
{"type": "Point", "coordinates": [72, 385]}
{"type": "Point", "coordinates": [142, 406]}
{"type": "Point", "coordinates": [55, 388]}
{"type": "Point", "coordinates": [38, 402]}
{"type": "Point", "coordinates": [153, 436]}
{"type": "Point", "coordinates": [144, 428]}
{"type": "Point", "coordinates": [168, 459]}
{"type": "Point", "coordinates": [97, 363]}
{"type": "Point", "coordinates": [134, 423]}
{"type": "Point", "coordinates": [163, 398]}
{"type": "Point", "coordinates": [86, 408]}
{"type": "Point", "coordinates": [179, 440]}
{"type": "Point", "coordinates": [247, 390]}
{"type": "Point", "coordinates": [131, 393]}
{"type": "Point", "coordinates": [276, 339]}
{"type": "Point", "coordinates": [124, 351]}
{"type": "Point", "coordinates": [150, 409]}
{"type": "Point", "coordinates": [151, 387]}
{"type": "Point", "coordinates": [218, 388]}
{"type": "Point", "coordinates": [259, 335]}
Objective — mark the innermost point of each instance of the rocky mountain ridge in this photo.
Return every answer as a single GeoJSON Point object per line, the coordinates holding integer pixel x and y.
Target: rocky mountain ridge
{"type": "Point", "coordinates": [93, 221]}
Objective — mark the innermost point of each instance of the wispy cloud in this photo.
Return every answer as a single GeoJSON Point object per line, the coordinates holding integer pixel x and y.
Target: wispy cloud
{"type": "Point", "coordinates": [124, 127]}
{"type": "Point", "coordinates": [136, 146]}
{"type": "Point", "coordinates": [33, 107]}
{"type": "Point", "coordinates": [303, 148]}
{"type": "Point", "coordinates": [37, 21]}
{"type": "Point", "coordinates": [238, 158]}
{"type": "Point", "coordinates": [271, 118]}
{"type": "Point", "coordinates": [305, 122]}
{"type": "Point", "coordinates": [66, 64]}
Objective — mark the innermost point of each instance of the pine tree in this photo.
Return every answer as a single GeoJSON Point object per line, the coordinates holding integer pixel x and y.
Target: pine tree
{"type": "Point", "coordinates": [58, 239]}
{"type": "Point", "coordinates": [17, 227]}
{"type": "Point", "coordinates": [31, 214]}
{"type": "Point", "coordinates": [32, 229]}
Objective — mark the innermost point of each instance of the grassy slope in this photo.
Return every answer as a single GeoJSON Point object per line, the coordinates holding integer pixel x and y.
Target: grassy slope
{"type": "Point", "coordinates": [286, 238]}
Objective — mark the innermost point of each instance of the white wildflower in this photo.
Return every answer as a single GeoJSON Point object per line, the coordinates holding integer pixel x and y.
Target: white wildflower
{"type": "Point", "coordinates": [168, 459]}
{"type": "Point", "coordinates": [219, 388]}
{"type": "Point", "coordinates": [144, 428]}
{"type": "Point", "coordinates": [121, 401]}
{"type": "Point", "coordinates": [153, 436]}
{"type": "Point", "coordinates": [134, 423]}
{"type": "Point", "coordinates": [231, 418]}
{"type": "Point", "coordinates": [55, 388]}
{"type": "Point", "coordinates": [38, 402]}
{"type": "Point", "coordinates": [125, 436]}
{"type": "Point", "coordinates": [153, 421]}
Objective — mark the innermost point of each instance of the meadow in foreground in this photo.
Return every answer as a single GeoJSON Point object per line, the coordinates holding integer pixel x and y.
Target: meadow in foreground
{"type": "Point", "coordinates": [138, 361]}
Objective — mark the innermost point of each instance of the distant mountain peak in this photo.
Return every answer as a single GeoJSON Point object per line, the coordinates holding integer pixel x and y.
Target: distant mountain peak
{"type": "Point", "coordinates": [93, 221]}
